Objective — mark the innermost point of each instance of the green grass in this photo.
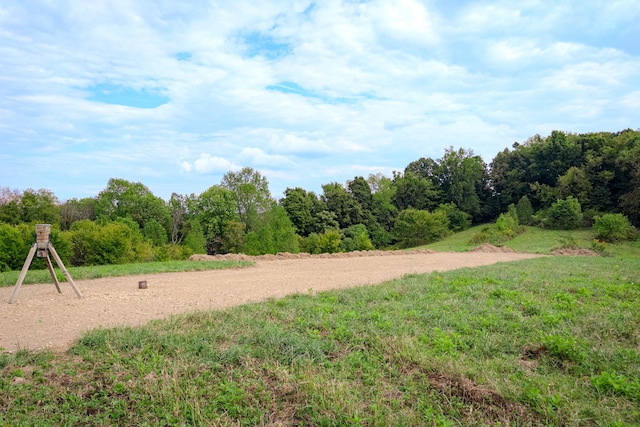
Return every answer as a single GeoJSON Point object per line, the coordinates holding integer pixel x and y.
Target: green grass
{"type": "Point", "coordinates": [536, 240]}
{"type": "Point", "coordinates": [9, 278]}
{"type": "Point", "coordinates": [548, 341]}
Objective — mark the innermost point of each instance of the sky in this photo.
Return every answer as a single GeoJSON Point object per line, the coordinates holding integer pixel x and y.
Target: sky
{"type": "Point", "coordinates": [175, 94]}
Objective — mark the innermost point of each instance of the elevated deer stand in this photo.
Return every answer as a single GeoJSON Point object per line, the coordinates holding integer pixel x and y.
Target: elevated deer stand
{"type": "Point", "coordinates": [42, 247]}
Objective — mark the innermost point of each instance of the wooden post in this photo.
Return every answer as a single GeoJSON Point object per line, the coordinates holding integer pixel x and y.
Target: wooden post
{"type": "Point", "coordinates": [64, 270]}
{"type": "Point", "coordinates": [23, 273]}
{"type": "Point", "coordinates": [53, 273]}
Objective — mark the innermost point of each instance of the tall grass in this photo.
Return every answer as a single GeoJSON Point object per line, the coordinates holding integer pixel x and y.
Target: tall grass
{"type": "Point", "coordinates": [549, 341]}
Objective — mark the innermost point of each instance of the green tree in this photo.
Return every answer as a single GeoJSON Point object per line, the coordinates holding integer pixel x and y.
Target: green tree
{"type": "Point", "coordinates": [12, 247]}
{"type": "Point", "coordinates": [194, 240]}
{"type": "Point", "coordinates": [214, 208]}
{"type": "Point", "coordinates": [418, 227]}
{"type": "Point", "coordinates": [525, 211]}
{"type": "Point", "coordinates": [155, 232]}
{"type": "Point", "coordinates": [552, 157]}
{"type": "Point", "coordinates": [40, 206]}
{"type": "Point", "coordinates": [75, 210]}
{"type": "Point", "coordinates": [179, 212]}
{"type": "Point", "coordinates": [252, 196]}
{"type": "Point", "coordinates": [125, 199]}
{"type": "Point", "coordinates": [274, 234]}
{"type": "Point", "coordinates": [510, 177]}
{"type": "Point", "coordinates": [10, 211]}
{"type": "Point", "coordinates": [301, 207]}
{"type": "Point", "coordinates": [412, 191]}
{"type": "Point", "coordinates": [565, 214]}
{"type": "Point", "coordinates": [346, 208]}
{"type": "Point", "coordinates": [464, 180]}
{"type": "Point", "coordinates": [458, 220]}
{"type": "Point", "coordinates": [575, 183]}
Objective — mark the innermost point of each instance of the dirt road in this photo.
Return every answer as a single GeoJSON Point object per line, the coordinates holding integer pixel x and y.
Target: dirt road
{"type": "Point", "coordinates": [42, 318]}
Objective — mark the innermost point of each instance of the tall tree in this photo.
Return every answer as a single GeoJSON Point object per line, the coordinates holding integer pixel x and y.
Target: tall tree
{"type": "Point", "coordinates": [40, 206]}
{"type": "Point", "coordinates": [214, 208]}
{"type": "Point", "coordinates": [342, 203]}
{"type": "Point", "coordinates": [125, 199]}
{"type": "Point", "coordinates": [76, 210]}
{"type": "Point", "coordinates": [464, 180]}
{"type": "Point", "coordinates": [10, 211]}
{"type": "Point", "coordinates": [412, 191]}
{"type": "Point", "coordinates": [251, 193]}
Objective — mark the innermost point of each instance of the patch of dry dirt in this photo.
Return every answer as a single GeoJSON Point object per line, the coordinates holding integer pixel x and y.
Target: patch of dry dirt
{"type": "Point", "coordinates": [489, 248]}
{"type": "Point", "coordinates": [42, 318]}
{"type": "Point", "coordinates": [574, 252]}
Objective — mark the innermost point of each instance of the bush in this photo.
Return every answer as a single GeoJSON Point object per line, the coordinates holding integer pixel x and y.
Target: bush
{"type": "Point", "coordinates": [525, 211]}
{"type": "Point", "coordinates": [115, 242]}
{"type": "Point", "coordinates": [614, 228]}
{"type": "Point", "coordinates": [415, 227]}
{"type": "Point", "coordinates": [327, 242]}
{"type": "Point", "coordinates": [506, 227]}
{"type": "Point", "coordinates": [564, 214]}
{"type": "Point", "coordinates": [170, 252]}
{"type": "Point", "coordinates": [12, 245]}
{"type": "Point", "coordinates": [458, 220]}
{"type": "Point", "coordinates": [155, 232]}
{"type": "Point", "coordinates": [274, 233]}
{"type": "Point", "coordinates": [356, 238]}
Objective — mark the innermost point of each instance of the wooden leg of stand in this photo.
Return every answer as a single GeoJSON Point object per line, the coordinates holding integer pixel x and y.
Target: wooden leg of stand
{"type": "Point", "coordinates": [53, 273]}
{"type": "Point", "coordinates": [64, 270]}
{"type": "Point", "coordinates": [23, 273]}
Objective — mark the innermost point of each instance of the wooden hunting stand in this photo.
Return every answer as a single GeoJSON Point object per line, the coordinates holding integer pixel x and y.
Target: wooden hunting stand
{"type": "Point", "coordinates": [41, 248]}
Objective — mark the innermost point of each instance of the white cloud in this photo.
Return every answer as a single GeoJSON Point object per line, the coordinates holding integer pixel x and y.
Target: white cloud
{"type": "Point", "coordinates": [256, 156]}
{"type": "Point", "coordinates": [381, 83]}
{"type": "Point", "coordinates": [207, 163]}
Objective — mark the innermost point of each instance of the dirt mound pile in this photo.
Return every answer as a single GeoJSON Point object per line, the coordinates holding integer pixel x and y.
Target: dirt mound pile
{"type": "Point", "coordinates": [286, 255]}
{"type": "Point", "coordinates": [574, 252]}
{"type": "Point", "coordinates": [489, 248]}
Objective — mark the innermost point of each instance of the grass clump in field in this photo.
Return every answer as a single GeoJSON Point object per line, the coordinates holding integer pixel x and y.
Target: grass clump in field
{"type": "Point", "coordinates": [9, 278]}
{"type": "Point", "coordinates": [549, 341]}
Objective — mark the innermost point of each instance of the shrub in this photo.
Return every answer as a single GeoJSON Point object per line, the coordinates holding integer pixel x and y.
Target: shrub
{"type": "Point", "coordinates": [415, 227]}
{"type": "Point", "coordinates": [274, 233]}
{"type": "Point", "coordinates": [564, 214]}
{"type": "Point", "coordinates": [614, 228]}
{"type": "Point", "coordinates": [11, 248]}
{"type": "Point", "coordinates": [525, 211]}
{"type": "Point", "coordinates": [194, 240]}
{"type": "Point", "coordinates": [356, 238]}
{"type": "Point", "coordinates": [505, 228]}
{"type": "Point", "coordinates": [155, 232]}
{"type": "Point", "coordinates": [327, 242]}
{"type": "Point", "coordinates": [458, 220]}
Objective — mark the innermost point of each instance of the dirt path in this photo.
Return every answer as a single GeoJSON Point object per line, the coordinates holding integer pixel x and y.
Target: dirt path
{"type": "Point", "coordinates": [42, 318]}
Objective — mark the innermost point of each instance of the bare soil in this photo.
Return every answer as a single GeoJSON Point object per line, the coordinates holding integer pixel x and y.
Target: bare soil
{"type": "Point", "coordinates": [41, 318]}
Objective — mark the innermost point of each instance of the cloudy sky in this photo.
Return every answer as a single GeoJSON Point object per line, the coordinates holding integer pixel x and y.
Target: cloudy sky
{"type": "Point", "coordinates": [174, 94]}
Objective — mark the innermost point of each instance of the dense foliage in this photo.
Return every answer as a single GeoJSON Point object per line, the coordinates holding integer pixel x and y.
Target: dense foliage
{"type": "Point", "coordinates": [561, 181]}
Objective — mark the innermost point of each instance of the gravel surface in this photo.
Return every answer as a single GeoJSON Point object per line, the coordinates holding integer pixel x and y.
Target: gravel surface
{"type": "Point", "coordinates": [42, 318]}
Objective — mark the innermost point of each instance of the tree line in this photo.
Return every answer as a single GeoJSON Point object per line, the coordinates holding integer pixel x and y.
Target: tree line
{"type": "Point", "coordinates": [591, 174]}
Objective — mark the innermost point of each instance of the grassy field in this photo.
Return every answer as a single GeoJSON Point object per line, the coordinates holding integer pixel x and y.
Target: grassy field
{"type": "Point", "coordinates": [9, 278]}
{"type": "Point", "coordinates": [549, 341]}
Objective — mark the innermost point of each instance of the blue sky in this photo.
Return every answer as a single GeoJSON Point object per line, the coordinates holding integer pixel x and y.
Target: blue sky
{"type": "Point", "coordinates": [175, 94]}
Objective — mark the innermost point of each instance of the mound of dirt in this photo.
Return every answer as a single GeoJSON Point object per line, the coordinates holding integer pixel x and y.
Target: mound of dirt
{"type": "Point", "coordinates": [281, 256]}
{"type": "Point", "coordinates": [489, 248]}
{"type": "Point", "coordinates": [574, 252]}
